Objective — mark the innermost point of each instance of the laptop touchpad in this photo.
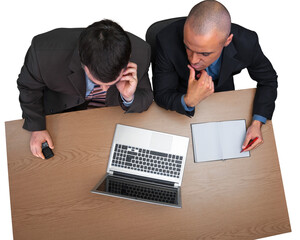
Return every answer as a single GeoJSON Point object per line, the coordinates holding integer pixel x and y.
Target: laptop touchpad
{"type": "Point", "coordinates": [161, 142]}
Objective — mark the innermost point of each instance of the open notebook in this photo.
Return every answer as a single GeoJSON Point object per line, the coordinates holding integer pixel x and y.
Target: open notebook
{"type": "Point", "coordinates": [218, 140]}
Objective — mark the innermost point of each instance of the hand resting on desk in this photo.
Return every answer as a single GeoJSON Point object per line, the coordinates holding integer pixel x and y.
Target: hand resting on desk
{"type": "Point", "coordinates": [253, 131]}
{"type": "Point", "coordinates": [36, 140]}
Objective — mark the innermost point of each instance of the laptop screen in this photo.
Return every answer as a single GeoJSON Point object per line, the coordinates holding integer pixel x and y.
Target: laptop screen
{"type": "Point", "coordinates": [138, 190]}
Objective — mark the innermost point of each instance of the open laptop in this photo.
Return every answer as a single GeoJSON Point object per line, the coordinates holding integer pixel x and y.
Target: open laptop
{"type": "Point", "coordinates": [145, 166]}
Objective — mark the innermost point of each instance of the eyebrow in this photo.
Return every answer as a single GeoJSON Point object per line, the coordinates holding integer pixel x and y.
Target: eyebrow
{"type": "Point", "coordinates": [195, 51]}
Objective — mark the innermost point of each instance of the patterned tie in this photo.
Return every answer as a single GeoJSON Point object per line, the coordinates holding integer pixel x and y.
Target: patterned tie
{"type": "Point", "coordinates": [96, 97]}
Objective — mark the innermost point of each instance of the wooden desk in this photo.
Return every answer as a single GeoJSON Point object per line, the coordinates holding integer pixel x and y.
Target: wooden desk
{"type": "Point", "coordinates": [233, 199]}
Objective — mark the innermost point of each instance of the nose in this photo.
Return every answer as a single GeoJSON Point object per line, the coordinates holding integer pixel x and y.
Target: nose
{"type": "Point", "coordinates": [194, 58]}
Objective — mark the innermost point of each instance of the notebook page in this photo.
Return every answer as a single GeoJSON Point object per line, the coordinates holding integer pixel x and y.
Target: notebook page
{"type": "Point", "coordinates": [218, 140]}
{"type": "Point", "coordinates": [206, 142]}
{"type": "Point", "coordinates": [232, 136]}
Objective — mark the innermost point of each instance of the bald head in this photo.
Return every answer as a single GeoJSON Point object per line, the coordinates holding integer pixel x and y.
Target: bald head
{"type": "Point", "coordinates": [209, 16]}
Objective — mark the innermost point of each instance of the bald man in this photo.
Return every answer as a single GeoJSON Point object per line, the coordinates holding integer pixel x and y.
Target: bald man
{"type": "Point", "coordinates": [199, 55]}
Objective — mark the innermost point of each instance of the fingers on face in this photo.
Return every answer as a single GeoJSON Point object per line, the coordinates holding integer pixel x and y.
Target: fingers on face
{"type": "Point", "coordinates": [130, 74]}
{"type": "Point", "coordinates": [209, 83]}
{"type": "Point", "coordinates": [206, 81]}
{"type": "Point", "coordinates": [132, 65]}
{"type": "Point", "coordinates": [192, 73]}
{"type": "Point", "coordinates": [131, 69]}
{"type": "Point", "coordinates": [212, 86]}
{"type": "Point", "coordinates": [128, 78]}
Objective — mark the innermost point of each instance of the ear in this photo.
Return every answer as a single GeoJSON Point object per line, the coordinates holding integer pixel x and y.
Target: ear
{"type": "Point", "coordinates": [228, 40]}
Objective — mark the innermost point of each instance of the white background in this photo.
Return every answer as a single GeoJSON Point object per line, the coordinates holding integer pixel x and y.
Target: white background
{"type": "Point", "coordinates": [276, 22]}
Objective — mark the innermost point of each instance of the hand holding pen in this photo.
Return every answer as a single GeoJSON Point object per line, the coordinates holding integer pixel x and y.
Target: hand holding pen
{"type": "Point", "coordinates": [253, 136]}
{"type": "Point", "coordinates": [249, 144]}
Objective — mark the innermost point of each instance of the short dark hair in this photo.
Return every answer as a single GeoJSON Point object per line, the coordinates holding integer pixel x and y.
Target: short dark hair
{"type": "Point", "coordinates": [105, 48]}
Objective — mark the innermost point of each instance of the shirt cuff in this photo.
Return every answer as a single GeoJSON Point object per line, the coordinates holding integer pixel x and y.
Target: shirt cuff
{"type": "Point", "coordinates": [186, 108]}
{"type": "Point", "coordinates": [126, 104]}
{"type": "Point", "coordinates": [259, 118]}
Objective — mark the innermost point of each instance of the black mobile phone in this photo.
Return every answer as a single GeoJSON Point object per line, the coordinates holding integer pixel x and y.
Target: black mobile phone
{"type": "Point", "coordinates": [47, 151]}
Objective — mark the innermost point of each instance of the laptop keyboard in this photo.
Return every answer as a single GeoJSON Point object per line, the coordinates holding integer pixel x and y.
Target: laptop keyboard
{"type": "Point", "coordinates": [147, 161]}
{"type": "Point", "coordinates": [142, 192]}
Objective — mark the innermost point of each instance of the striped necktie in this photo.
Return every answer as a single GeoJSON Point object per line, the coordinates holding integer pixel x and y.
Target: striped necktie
{"type": "Point", "coordinates": [96, 97]}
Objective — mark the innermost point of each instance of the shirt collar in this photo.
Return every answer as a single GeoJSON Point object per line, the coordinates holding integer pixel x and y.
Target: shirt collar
{"type": "Point", "coordinates": [217, 61]}
{"type": "Point", "coordinates": [89, 85]}
{"type": "Point", "coordinates": [213, 69]}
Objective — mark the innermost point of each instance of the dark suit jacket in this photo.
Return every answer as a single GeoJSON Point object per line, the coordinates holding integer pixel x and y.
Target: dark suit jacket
{"type": "Point", "coordinates": [52, 80]}
{"type": "Point", "coordinates": [171, 74]}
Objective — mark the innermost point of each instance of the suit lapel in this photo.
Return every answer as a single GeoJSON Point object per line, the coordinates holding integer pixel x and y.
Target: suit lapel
{"type": "Point", "coordinates": [230, 64]}
{"type": "Point", "coordinates": [77, 77]}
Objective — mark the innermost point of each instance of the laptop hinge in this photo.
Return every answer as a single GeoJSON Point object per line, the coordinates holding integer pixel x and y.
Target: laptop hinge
{"type": "Point", "coordinates": [116, 173]}
{"type": "Point", "coordinates": [110, 172]}
{"type": "Point", "coordinates": [176, 185]}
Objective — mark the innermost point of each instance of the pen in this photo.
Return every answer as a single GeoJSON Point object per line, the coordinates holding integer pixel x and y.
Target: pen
{"type": "Point", "coordinates": [249, 144]}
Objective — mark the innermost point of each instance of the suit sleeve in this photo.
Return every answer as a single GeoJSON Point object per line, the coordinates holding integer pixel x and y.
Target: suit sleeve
{"type": "Point", "coordinates": [262, 71]}
{"type": "Point", "coordinates": [31, 87]}
{"type": "Point", "coordinates": [166, 82]}
{"type": "Point", "coordinates": [143, 96]}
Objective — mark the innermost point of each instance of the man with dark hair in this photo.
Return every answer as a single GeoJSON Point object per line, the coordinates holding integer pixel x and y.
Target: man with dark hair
{"type": "Point", "coordinates": [75, 69]}
{"type": "Point", "coordinates": [199, 55]}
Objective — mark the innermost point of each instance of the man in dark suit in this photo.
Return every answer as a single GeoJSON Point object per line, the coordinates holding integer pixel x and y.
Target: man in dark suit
{"type": "Point", "coordinates": [199, 55]}
{"type": "Point", "coordinates": [76, 69]}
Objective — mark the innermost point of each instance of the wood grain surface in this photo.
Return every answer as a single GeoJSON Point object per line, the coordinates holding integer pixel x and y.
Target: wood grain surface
{"type": "Point", "coordinates": [233, 199]}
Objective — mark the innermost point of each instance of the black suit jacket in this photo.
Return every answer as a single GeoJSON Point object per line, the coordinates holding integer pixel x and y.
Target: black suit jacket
{"type": "Point", "coordinates": [171, 74]}
{"type": "Point", "coordinates": [52, 80]}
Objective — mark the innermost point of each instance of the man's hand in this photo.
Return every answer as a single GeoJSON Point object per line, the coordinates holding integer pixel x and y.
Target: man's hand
{"type": "Point", "coordinates": [253, 131]}
{"type": "Point", "coordinates": [198, 89]}
{"type": "Point", "coordinates": [128, 82]}
{"type": "Point", "coordinates": [36, 140]}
